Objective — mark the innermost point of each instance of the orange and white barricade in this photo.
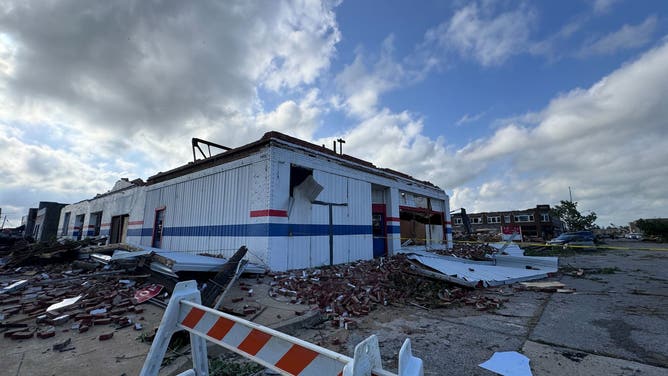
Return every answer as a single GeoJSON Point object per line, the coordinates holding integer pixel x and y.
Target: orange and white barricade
{"type": "Point", "coordinates": [272, 349]}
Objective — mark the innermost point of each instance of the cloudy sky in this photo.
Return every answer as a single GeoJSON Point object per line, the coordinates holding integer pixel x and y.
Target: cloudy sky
{"type": "Point", "coordinates": [504, 104]}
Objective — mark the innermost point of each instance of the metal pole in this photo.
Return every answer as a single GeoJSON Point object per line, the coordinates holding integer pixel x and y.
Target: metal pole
{"type": "Point", "coordinates": [331, 236]}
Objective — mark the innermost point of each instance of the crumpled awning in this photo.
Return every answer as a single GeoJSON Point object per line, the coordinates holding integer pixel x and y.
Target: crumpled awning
{"type": "Point", "coordinates": [171, 262]}
{"type": "Point", "coordinates": [501, 270]}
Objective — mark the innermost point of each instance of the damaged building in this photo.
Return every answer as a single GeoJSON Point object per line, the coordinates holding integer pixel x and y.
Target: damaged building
{"type": "Point", "coordinates": [534, 223]}
{"type": "Point", "coordinates": [45, 224]}
{"type": "Point", "coordinates": [293, 203]}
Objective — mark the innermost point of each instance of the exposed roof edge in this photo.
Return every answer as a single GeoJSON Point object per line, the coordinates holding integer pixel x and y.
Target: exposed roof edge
{"type": "Point", "coordinates": [283, 139]}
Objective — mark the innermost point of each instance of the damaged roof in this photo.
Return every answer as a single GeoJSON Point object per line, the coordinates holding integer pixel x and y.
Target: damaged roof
{"type": "Point", "coordinates": [277, 138]}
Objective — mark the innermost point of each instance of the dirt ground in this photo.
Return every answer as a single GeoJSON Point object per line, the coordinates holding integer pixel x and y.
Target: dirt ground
{"type": "Point", "coordinates": [614, 324]}
{"type": "Point", "coordinates": [123, 354]}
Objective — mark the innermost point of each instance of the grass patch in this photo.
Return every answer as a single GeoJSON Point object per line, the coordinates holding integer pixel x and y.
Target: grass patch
{"type": "Point", "coordinates": [607, 270]}
{"type": "Point", "coordinates": [223, 367]}
{"type": "Point", "coordinates": [555, 250]}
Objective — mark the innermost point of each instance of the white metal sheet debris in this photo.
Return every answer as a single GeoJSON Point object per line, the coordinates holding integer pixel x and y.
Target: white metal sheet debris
{"type": "Point", "coordinates": [510, 248]}
{"type": "Point", "coordinates": [501, 270]}
{"type": "Point", "coordinates": [508, 363]}
{"type": "Point", "coordinates": [171, 262]}
{"type": "Point", "coordinates": [121, 254]}
{"type": "Point", "coordinates": [103, 259]}
{"type": "Point", "coordinates": [14, 286]}
{"type": "Point", "coordinates": [63, 304]}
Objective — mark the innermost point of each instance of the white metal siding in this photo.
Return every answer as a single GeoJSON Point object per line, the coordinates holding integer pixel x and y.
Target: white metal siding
{"type": "Point", "coordinates": [208, 212]}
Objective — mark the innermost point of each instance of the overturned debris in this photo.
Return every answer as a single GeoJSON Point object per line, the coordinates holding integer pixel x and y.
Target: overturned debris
{"type": "Point", "coordinates": [500, 270]}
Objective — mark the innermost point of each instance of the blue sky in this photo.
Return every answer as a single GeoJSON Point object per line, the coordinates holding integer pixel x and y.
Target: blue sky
{"type": "Point", "coordinates": [504, 104]}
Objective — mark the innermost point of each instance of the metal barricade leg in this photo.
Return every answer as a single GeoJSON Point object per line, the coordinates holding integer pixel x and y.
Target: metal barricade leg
{"type": "Point", "coordinates": [408, 364]}
{"type": "Point", "coordinates": [169, 324]}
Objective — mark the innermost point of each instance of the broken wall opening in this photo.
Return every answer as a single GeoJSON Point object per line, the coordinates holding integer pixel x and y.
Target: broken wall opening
{"type": "Point", "coordinates": [297, 176]}
{"type": "Point", "coordinates": [421, 228]}
{"type": "Point", "coordinates": [119, 228]}
{"type": "Point", "coordinates": [96, 220]}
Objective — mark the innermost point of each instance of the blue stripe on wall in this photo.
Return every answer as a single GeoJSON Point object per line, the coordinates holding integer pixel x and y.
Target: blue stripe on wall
{"type": "Point", "coordinates": [138, 232]}
{"type": "Point", "coordinates": [258, 229]}
{"type": "Point", "coordinates": [261, 229]}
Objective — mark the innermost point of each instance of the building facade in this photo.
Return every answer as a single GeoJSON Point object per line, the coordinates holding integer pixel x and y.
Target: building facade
{"type": "Point", "coordinates": [534, 223]}
{"type": "Point", "coordinates": [46, 221]}
{"type": "Point", "coordinates": [292, 203]}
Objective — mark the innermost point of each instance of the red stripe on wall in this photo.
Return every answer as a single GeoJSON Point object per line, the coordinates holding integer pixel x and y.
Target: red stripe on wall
{"type": "Point", "coordinates": [393, 219]}
{"type": "Point", "coordinates": [105, 224]}
{"type": "Point", "coordinates": [135, 223]}
{"type": "Point", "coordinates": [268, 213]}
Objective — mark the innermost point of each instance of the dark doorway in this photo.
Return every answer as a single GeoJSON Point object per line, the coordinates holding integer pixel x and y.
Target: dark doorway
{"type": "Point", "coordinates": [379, 229]}
{"type": "Point", "coordinates": [157, 228]}
{"type": "Point", "coordinates": [119, 228]}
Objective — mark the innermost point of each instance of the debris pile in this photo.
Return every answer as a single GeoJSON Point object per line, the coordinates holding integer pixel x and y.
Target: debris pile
{"type": "Point", "coordinates": [24, 253]}
{"type": "Point", "coordinates": [355, 289]}
{"type": "Point", "coordinates": [470, 251]}
{"type": "Point", "coordinates": [57, 298]}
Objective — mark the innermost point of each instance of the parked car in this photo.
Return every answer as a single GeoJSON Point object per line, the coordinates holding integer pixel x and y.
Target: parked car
{"type": "Point", "coordinates": [634, 236]}
{"type": "Point", "coordinates": [584, 238]}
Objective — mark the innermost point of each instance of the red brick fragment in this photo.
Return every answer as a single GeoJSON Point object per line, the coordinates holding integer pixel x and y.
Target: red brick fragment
{"type": "Point", "coordinates": [103, 321]}
{"type": "Point", "coordinates": [46, 334]}
{"type": "Point", "coordinates": [22, 335]}
{"type": "Point", "coordinates": [105, 337]}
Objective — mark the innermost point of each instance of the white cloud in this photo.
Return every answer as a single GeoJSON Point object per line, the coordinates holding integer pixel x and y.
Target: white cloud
{"type": "Point", "coordinates": [362, 84]}
{"type": "Point", "coordinates": [121, 87]}
{"type": "Point", "coordinates": [603, 6]}
{"type": "Point", "coordinates": [628, 37]}
{"type": "Point", "coordinates": [467, 118]}
{"type": "Point", "coordinates": [483, 34]}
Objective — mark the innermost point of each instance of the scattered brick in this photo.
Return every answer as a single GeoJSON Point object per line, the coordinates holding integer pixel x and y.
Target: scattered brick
{"type": "Point", "coordinates": [22, 335]}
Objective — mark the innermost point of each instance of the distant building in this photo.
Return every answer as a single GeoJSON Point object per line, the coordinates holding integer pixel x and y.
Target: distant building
{"type": "Point", "coordinates": [29, 222]}
{"type": "Point", "coordinates": [534, 223]}
{"type": "Point", "coordinates": [46, 221]}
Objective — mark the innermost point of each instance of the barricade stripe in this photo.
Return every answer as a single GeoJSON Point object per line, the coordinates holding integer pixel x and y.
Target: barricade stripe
{"type": "Point", "coordinates": [254, 342]}
{"type": "Point", "coordinates": [323, 365]}
{"type": "Point", "coordinates": [193, 317]}
{"type": "Point", "coordinates": [274, 350]}
{"type": "Point", "coordinates": [220, 328]}
{"type": "Point", "coordinates": [296, 359]}
{"type": "Point", "coordinates": [236, 335]}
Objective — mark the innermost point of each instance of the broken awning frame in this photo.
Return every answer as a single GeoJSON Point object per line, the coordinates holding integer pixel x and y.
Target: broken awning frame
{"type": "Point", "coordinates": [502, 270]}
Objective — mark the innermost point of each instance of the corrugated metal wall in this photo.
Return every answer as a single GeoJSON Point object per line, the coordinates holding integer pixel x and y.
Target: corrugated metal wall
{"type": "Point", "coordinates": [210, 213]}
